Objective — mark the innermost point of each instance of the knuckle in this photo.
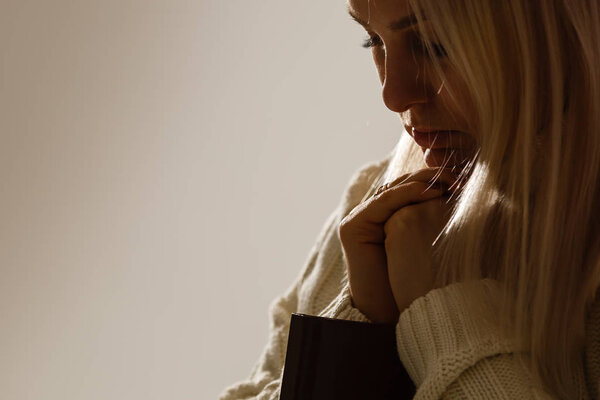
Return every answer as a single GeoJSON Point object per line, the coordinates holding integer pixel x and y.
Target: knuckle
{"type": "Point", "coordinates": [405, 216]}
{"type": "Point", "coordinates": [344, 225]}
{"type": "Point", "coordinates": [402, 220]}
{"type": "Point", "coordinates": [347, 225]}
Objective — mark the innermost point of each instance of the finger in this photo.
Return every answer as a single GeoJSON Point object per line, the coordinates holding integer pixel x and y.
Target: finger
{"type": "Point", "coordinates": [429, 175]}
{"type": "Point", "coordinates": [379, 208]}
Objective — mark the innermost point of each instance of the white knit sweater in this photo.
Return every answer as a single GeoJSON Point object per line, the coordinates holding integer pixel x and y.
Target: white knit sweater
{"type": "Point", "coordinates": [448, 348]}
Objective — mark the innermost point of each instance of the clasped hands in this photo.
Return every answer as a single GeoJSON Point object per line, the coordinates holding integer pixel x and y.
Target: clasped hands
{"type": "Point", "coordinates": [387, 242]}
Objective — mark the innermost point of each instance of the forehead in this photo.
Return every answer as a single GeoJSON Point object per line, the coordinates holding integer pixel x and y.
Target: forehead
{"type": "Point", "coordinates": [379, 10]}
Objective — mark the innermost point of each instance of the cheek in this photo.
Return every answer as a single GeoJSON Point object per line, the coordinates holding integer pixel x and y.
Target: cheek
{"type": "Point", "coordinates": [468, 112]}
{"type": "Point", "coordinates": [462, 106]}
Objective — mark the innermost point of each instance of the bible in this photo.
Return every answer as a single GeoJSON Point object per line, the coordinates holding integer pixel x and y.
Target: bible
{"type": "Point", "coordinates": [338, 359]}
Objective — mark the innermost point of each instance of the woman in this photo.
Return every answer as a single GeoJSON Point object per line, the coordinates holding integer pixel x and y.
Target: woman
{"type": "Point", "coordinates": [491, 276]}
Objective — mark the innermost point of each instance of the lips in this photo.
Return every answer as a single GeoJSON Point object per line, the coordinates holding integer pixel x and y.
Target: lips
{"type": "Point", "coordinates": [438, 139]}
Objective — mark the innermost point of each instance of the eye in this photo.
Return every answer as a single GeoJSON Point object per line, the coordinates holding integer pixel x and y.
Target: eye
{"type": "Point", "coordinates": [372, 41]}
{"type": "Point", "coordinates": [438, 50]}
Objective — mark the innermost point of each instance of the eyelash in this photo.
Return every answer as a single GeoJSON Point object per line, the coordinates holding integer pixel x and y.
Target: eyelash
{"type": "Point", "coordinates": [375, 41]}
{"type": "Point", "coordinates": [371, 41]}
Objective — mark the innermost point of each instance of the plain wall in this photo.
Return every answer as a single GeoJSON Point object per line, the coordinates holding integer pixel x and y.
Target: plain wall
{"type": "Point", "coordinates": [165, 169]}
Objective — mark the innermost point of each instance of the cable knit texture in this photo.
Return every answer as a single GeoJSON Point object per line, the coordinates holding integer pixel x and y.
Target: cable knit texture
{"type": "Point", "coordinates": [448, 340]}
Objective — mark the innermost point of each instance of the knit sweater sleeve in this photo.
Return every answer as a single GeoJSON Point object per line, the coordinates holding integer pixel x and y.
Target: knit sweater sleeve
{"type": "Point", "coordinates": [343, 308]}
{"type": "Point", "coordinates": [452, 347]}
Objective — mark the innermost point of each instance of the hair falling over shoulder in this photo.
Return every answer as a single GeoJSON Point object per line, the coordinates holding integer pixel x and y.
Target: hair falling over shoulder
{"type": "Point", "coordinates": [528, 213]}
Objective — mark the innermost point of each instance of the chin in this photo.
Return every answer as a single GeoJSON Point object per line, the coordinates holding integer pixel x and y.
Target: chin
{"type": "Point", "coordinates": [450, 158]}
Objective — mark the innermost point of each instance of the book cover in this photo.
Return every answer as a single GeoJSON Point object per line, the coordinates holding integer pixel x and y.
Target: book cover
{"type": "Point", "coordinates": [338, 359]}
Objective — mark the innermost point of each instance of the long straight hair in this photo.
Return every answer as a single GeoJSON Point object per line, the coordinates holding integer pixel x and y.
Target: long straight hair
{"type": "Point", "coordinates": [528, 212]}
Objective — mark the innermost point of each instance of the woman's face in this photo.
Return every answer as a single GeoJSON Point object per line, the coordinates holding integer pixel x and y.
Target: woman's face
{"type": "Point", "coordinates": [410, 88]}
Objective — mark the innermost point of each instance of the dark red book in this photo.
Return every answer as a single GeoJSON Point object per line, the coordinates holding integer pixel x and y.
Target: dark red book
{"type": "Point", "coordinates": [330, 359]}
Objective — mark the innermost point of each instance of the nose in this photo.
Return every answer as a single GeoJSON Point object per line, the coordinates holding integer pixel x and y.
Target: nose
{"type": "Point", "coordinates": [404, 83]}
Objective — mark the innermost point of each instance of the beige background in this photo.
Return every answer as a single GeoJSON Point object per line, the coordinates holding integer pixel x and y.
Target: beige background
{"type": "Point", "coordinates": [165, 168]}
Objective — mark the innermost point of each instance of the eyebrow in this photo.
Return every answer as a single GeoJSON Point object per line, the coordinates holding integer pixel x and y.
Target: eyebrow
{"type": "Point", "coordinates": [398, 25]}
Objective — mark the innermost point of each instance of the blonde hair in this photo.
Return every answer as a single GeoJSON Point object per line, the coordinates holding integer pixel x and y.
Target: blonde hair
{"type": "Point", "coordinates": [533, 71]}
